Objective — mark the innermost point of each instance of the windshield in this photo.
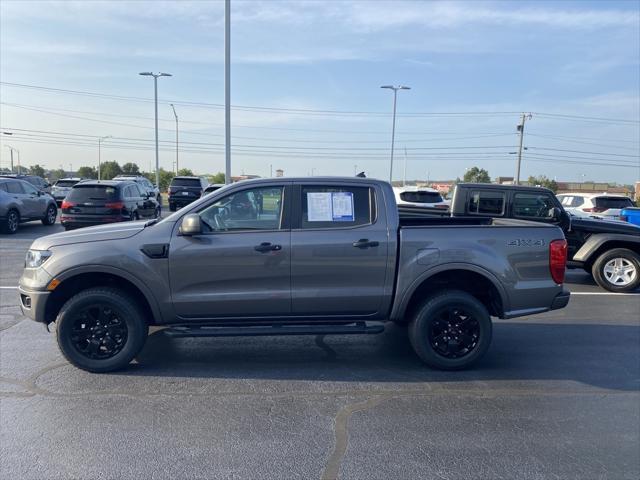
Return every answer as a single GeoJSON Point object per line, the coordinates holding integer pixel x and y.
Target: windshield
{"type": "Point", "coordinates": [613, 202]}
{"type": "Point", "coordinates": [186, 182]}
{"type": "Point", "coordinates": [421, 197]}
{"type": "Point", "coordinates": [93, 192]}
{"type": "Point", "coordinates": [66, 183]}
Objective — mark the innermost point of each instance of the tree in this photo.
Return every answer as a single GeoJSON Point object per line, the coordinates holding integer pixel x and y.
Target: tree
{"type": "Point", "coordinates": [217, 178]}
{"type": "Point", "coordinates": [165, 179]}
{"type": "Point", "coordinates": [108, 170]}
{"type": "Point", "coordinates": [185, 172]}
{"type": "Point", "coordinates": [477, 175]}
{"type": "Point", "coordinates": [131, 169]}
{"type": "Point", "coordinates": [36, 170]}
{"type": "Point", "coordinates": [58, 174]}
{"type": "Point", "coordinates": [543, 181]}
{"type": "Point", "coordinates": [87, 172]}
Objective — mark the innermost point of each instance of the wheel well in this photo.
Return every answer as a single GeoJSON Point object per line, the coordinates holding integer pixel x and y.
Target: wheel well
{"type": "Point", "coordinates": [635, 247]}
{"type": "Point", "coordinates": [83, 281]}
{"type": "Point", "coordinates": [471, 282]}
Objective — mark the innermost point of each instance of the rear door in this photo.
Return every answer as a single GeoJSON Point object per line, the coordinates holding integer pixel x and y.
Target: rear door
{"type": "Point", "coordinates": [240, 265]}
{"type": "Point", "coordinates": [16, 190]}
{"type": "Point", "coordinates": [339, 249]}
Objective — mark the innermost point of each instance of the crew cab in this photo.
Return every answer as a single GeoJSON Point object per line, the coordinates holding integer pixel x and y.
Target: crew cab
{"type": "Point", "coordinates": [292, 256]}
{"type": "Point", "coordinates": [608, 249]}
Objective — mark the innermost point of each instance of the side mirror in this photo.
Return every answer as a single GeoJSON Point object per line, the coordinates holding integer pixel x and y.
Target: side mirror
{"type": "Point", "coordinates": [190, 225]}
{"type": "Point", "coordinates": [556, 214]}
{"type": "Point", "coordinates": [40, 193]}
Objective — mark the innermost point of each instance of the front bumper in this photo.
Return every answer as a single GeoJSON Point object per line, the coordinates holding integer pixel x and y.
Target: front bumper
{"type": "Point", "coordinates": [33, 303]}
{"type": "Point", "coordinates": [561, 300]}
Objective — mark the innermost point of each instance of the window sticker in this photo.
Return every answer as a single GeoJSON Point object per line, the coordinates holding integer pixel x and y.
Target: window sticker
{"type": "Point", "coordinates": [342, 203]}
{"type": "Point", "coordinates": [319, 207]}
{"type": "Point", "coordinates": [330, 207]}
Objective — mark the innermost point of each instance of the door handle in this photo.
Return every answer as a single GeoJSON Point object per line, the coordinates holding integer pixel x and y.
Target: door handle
{"type": "Point", "coordinates": [365, 243]}
{"type": "Point", "coordinates": [265, 247]}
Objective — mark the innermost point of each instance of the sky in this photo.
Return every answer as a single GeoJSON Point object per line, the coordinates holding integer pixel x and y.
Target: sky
{"type": "Point", "coordinates": [305, 86]}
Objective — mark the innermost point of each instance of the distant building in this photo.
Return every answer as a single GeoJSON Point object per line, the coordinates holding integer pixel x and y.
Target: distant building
{"type": "Point", "coordinates": [505, 180]}
{"type": "Point", "coordinates": [279, 173]}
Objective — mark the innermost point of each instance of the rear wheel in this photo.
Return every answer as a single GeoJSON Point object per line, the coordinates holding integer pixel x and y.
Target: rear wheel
{"type": "Point", "coordinates": [451, 330]}
{"type": "Point", "coordinates": [50, 215]}
{"type": "Point", "coordinates": [617, 270]}
{"type": "Point", "coordinates": [101, 330]}
{"type": "Point", "coordinates": [11, 222]}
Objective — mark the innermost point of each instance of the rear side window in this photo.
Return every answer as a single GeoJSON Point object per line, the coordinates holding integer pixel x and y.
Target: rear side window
{"type": "Point", "coordinates": [531, 205]}
{"type": "Point", "coordinates": [336, 207]}
{"type": "Point", "coordinates": [612, 202]}
{"type": "Point", "coordinates": [421, 197]}
{"type": "Point", "coordinates": [486, 202]}
{"type": "Point", "coordinates": [186, 182]}
{"type": "Point", "coordinates": [93, 192]}
{"type": "Point", "coordinates": [14, 187]}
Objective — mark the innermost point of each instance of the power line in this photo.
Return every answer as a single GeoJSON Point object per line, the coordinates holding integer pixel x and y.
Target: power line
{"type": "Point", "coordinates": [583, 142]}
{"type": "Point", "coordinates": [606, 154]}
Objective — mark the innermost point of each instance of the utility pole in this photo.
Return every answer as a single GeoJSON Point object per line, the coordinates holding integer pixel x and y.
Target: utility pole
{"type": "Point", "coordinates": [227, 91]}
{"type": "Point", "coordinates": [520, 129]}
{"type": "Point", "coordinates": [99, 154]}
{"type": "Point", "coordinates": [393, 128]}
{"type": "Point", "coordinates": [404, 174]}
{"type": "Point", "coordinates": [176, 115]}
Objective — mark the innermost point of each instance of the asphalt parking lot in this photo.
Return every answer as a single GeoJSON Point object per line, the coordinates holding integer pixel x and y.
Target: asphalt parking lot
{"type": "Point", "coordinates": [557, 396]}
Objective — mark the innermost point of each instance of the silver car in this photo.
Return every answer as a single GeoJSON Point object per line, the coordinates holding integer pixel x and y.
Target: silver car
{"type": "Point", "coordinates": [62, 188]}
{"type": "Point", "coordinates": [22, 202]}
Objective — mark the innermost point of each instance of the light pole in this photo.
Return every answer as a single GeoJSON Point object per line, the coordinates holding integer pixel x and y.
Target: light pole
{"type": "Point", "coordinates": [11, 149]}
{"type": "Point", "coordinates": [393, 128]}
{"type": "Point", "coordinates": [100, 139]}
{"type": "Point", "coordinates": [176, 115]}
{"type": "Point", "coordinates": [227, 91]}
{"type": "Point", "coordinates": [155, 96]}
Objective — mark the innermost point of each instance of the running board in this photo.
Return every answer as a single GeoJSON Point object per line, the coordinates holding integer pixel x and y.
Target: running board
{"type": "Point", "coordinates": [260, 330]}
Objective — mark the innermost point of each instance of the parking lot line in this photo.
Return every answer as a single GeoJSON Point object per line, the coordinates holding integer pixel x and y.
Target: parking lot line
{"type": "Point", "coordinates": [8, 288]}
{"type": "Point", "coordinates": [602, 293]}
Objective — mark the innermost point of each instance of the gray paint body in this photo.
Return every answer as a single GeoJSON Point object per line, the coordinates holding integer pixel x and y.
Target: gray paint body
{"type": "Point", "coordinates": [317, 275]}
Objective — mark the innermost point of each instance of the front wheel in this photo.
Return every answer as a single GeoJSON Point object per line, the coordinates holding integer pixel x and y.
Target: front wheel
{"type": "Point", "coordinates": [50, 215]}
{"type": "Point", "coordinates": [451, 330]}
{"type": "Point", "coordinates": [617, 270]}
{"type": "Point", "coordinates": [101, 330]}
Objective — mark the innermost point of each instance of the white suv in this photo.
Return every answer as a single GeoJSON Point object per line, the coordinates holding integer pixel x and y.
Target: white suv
{"type": "Point", "coordinates": [600, 205]}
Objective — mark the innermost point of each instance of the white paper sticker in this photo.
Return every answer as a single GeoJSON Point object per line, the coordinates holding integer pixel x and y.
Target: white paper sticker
{"type": "Point", "coordinates": [319, 207]}
{"type": "Point", "coordinates": [342, 203]}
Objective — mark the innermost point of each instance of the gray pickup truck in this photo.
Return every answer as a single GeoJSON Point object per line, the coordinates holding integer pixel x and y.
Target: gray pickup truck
{"type": "Point", "coordinates": [287, 257]}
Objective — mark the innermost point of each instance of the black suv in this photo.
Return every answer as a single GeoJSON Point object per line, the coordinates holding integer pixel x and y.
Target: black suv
{"type": "Point", "coordinates": [96, 202]}
{"type": "Point", "coordinates": [184, 190]}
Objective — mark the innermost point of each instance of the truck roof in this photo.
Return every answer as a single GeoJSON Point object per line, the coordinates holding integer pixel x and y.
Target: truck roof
{"type": "Point", "coordinates": [495, 186]}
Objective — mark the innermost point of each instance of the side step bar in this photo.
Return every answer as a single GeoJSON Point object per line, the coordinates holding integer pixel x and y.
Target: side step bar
{"type": "Point", "coordinates": [260, 330]}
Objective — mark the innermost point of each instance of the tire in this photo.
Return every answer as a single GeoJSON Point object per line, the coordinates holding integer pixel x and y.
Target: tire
{"type": "Point", "coordinates": [617, 270]}
{"type": "Point", "coordinates": [120, 330]}
{"type": "Point", "coordinates": [11, 221]}
{"type": "Point", "coordinates": [50, 215]}
{"type": "Point", "coordinates": [158, 212]}
{"type": "Point", "coordinates": [438, 334]}
{"type": "Point", "coordinates": [159, 200]}
{"type": "Point", "coordinates": [172, 207]}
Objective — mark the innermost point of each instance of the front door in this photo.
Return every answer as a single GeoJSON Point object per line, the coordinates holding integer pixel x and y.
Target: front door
{"type": "Point", "coordinates": [35, 204]}
{"type": "Point", "coordinates": [240, 265]}
{"type": "Point", "coordinates": [339, 251]}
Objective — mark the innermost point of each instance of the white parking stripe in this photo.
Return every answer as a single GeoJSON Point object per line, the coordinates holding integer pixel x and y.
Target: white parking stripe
{"type": "Point", "coordinates": [604, 293]}
{"type": "Point", "coordinates": [8, 288]}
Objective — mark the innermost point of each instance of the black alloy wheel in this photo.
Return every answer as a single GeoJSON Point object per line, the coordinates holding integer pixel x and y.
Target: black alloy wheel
{"type": "Point", "coordinates": [99, 331]}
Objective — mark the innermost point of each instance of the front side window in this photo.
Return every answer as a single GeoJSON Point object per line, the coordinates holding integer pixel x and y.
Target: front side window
{"type": "Point", "coordinates": [254, 209]}
{"type": "Point", "coordinates": [532, 205]}
{"type": "Point", "coordinates": [486, 203]}
{"type": "Point", "coordinates": [29, 189]}
{"type": "Point", "coordinates": [336, 207]}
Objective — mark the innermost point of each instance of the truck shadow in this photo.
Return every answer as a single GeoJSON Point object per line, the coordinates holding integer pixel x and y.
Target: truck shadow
{"type": "Point", "coordinates": [606, 356]}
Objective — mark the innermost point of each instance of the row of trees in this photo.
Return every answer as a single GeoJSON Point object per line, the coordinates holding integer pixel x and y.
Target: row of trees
{"type": "Point", "coordinates": [480, 175]}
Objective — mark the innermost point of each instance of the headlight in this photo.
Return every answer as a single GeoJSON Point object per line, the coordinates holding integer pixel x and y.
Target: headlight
{"type": "Point", "coordinates": [36, 258]}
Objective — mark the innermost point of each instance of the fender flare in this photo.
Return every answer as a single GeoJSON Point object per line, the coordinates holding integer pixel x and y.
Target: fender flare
{"type": "Point", "coordinates": [597, 240]}
{"type": "Point", "coordinates": [146, 292]}
{"type": "Point", "coordinates": [401, 307]}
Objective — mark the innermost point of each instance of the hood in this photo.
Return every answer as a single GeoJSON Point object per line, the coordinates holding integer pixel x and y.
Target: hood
{"type": "Point", "coordinates": [594, 225]}
{"type": "Point", "coordinates": [112, 231]}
